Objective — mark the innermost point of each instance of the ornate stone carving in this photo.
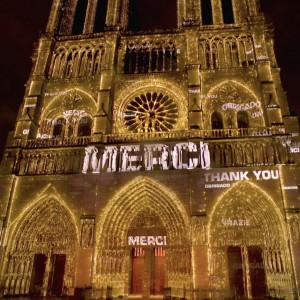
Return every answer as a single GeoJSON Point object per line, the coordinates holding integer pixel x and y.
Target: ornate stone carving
{"type": "Point", "coordinates": [87, 231]}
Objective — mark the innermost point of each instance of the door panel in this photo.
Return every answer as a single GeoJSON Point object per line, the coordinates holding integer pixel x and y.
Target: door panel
{"type": "Point", "coordinates": [37, 276]}
{"type": "Point", "coordinates": [257, 272]}
{"type": "Point", "coordinates": [159, 272]}
{"type": "Point", "coordinates": [137, 271]}
{"type": "Point", "coordinates": [56, 277]}
{"type": "Point", "coordinates": [235, 270]}
{"type": "Point", "coordinates": [148, 271]}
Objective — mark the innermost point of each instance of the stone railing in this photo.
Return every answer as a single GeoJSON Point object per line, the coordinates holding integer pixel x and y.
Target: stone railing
{"type": "Point", "coordinates": [146, 137]}
{"type": "Point", "coordinates": [188, 134]}
{"type": "Point", "coordinates": [49, 143]}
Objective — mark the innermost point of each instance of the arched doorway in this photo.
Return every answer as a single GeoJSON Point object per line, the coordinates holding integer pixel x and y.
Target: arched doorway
{"type": "Point", "coordinates": [42, 251]}
{"type": "Point", "coordinates": [142, 242]}
{"type": "Point", "coordinates": [248, 252]}
{"type": "Point", "coordinates": [148, 238]}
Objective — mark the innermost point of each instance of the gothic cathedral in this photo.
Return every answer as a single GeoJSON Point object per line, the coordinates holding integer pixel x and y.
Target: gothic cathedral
{"type": "Point", "coordinates": [154, 154]}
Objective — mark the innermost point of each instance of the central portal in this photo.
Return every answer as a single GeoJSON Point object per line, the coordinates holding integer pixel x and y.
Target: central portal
{"type": "Point", "coordinates": [148, 271]}
{"type": "Point", "coordinates": [147, 240]}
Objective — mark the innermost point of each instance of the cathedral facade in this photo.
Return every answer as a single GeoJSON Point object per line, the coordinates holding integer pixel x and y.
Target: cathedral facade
{"type": "Point", "coordinates": [154, 154]}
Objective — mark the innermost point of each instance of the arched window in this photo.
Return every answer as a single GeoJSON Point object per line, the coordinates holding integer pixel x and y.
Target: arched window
{"type": "Point", "coordinates": [97, 61]}
{"type": "Point", "coordinates": [235, 55]}
{"type": "Point", "coordinates": [69, 67]}
{"type": "Point", "coordinates": [242, 119]}
{"type": "Point", "coordinates": [154, 59]}
{"type": "Point", "coordinates": [207, 56]}
{"type": "Point", "coordinates": [227, 9]}
{"type": "Point", "coordinates": [216, 120]}
{"type": "Point", "coordinates": [215, 56]}
{"type": "Point", "coordinates": [141, 15]}
{"type": "Point", "coordinates": [85, 126]}
{"type": "Point", "coordinates": [206, 12]}
{"type": "Point", "coordinates": [79, 17]}
{"type": "Point", "coordinates": [59, 128]}
{"type": "Point", "coordinates": [100, 17]}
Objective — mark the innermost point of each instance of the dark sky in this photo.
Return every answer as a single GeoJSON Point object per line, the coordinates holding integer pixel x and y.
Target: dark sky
{"type": "Point", "coordinates": [22, 20]}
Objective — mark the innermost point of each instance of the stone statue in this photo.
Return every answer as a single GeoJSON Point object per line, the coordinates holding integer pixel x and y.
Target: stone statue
{"type": "Point", "coordinates": [164, 159]}
{"type": "Point", "coordinates": [114, 160]}
{"type": "Point", "coordinates": [104, 159]}
{"type": "Point", "coordinates": [205, 156]}
{"type": "Point", "coordinates": [86, 161]}
{"type": "Point", "coordinates": [124, 160]}
{"type": "Point", "coordinates": [175, 157]}
{"type": "Point", "coordinates": [87, 234]}
{"type": "Point", "coordinates": [94, 161]}
{"type": "Point", "coordinates": [193, 156]}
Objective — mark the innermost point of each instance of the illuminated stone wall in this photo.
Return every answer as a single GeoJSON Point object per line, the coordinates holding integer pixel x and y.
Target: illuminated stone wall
{"type": "Point", "coordinates": [160, 162]}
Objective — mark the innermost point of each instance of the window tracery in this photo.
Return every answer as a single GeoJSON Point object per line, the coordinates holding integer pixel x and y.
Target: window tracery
{"type": "Point", "coordinates": [71, 119]}
{"type": "Point", "coordinates": [76, 62]}
{"type": "Point", "coordinates": [47, 229]}
{"type": "Point", "coordinates": [216, 120]}
{"type": "Point", "coordinates": [242, 119]}
{"type": "Point", "coordinates": [225, 52]}
{"type": "Point", "coordinates": [150, 57]}
{"type": "Point", "coordinates": [150, 112]}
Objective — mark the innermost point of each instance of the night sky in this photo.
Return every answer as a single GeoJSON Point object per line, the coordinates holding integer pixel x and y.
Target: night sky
{"type": "Point", "coordinates": [21, 21]}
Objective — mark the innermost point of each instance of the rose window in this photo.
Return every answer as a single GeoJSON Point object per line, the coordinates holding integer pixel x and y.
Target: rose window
{"type": "Point", "coordinates": [151, 112]}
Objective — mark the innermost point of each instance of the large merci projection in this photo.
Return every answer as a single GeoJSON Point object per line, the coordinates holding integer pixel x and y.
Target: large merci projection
{"type": "Point", "coordinates": [146, 157]}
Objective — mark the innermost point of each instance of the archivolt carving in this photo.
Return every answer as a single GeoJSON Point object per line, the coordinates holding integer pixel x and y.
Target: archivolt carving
{"type": "Point", "coordinates": [67, 114]}
{"type": "Point", "coordinates": [199, 231]}
{"type": "Point", "coordinates": [47, 228]}
{"type": "Point", "coordinates": [294, 223]}
{"type": "Point", "coordinates": [142, 194]}
{"type": "Point", "coordinates": [74, 99]}
{"type": "Point", "coordinates": [246, 216]}
{"type": "Point", "coordinates": [230, 97]}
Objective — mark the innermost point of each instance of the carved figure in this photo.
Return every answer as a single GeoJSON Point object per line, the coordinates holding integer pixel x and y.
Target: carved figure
{"type": "Point", "coordinates": [205, 156]}
{"type": "Point", "coordinates": [94, 160]}
{"type": "Point", "coordinates": [175, 157]}
{"type": "Point", "coordinates": [87, 235]}
{"type": "Point", "coordinates": [124, 160]}
{"type": "Point", "coordinates": [114, 160]}
{"type": "Point", "coordinates": [164, 159]}
{"type": "Point", "coordinates": [104, 159]}
{"type": "Point", "coordinates": [86, 161]}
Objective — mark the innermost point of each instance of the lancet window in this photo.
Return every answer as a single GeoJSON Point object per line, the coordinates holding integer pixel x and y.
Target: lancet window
{"type": "Point", "coordinates": [227, 9]}
{"type": "Point", "coordinates": [206, 12]}
{"type": "Point", "coordinates": [242, 119]}
{"type": "Point", "coordinates": [216, 120]}
{"type": "Point", "coordinates": [76, 62]}
{"type": "Point", "coordinates": [61, 127]}
{"type": "Point", "coordinates": [100, 16]}
{"type": "Point", "coordinates": [79, 18]}
{"type": "Point", "coordinates": [85, 126]}
{"type": "Point", "coordinates": [225, 52]}
{"type": "Point", "coordinates": [145, 58]}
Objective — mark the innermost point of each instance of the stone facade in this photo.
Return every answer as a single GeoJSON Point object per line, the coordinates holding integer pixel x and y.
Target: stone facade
{"type": "Point", "coordinates": [152, 161]}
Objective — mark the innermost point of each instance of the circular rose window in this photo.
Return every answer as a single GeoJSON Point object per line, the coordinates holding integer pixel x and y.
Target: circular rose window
{"type": "Point", "coordinates": [150, 112]}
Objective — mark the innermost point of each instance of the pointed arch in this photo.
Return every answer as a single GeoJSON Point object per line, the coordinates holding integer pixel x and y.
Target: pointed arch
{"type": "Point", "coordinates": [138, 195]}
{"type": "Point", "coordinates": [45, 228]}
{"type": "Point", "coordinates": [113, 255]}
{"type": "Point", "coordinates": [263, 232]}
{"type": "Point", "coordinates": [70, 106]}
{"type": "Point", "coordinates": [231, 96]}
{"type": "Point", "coordinates": [255, 204]}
